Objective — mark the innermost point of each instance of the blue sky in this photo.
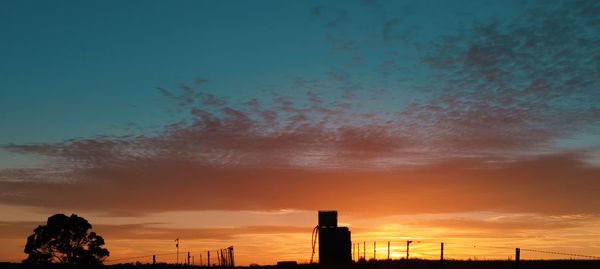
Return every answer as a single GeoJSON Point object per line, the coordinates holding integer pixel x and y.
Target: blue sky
{"type": "Point", "coordinates": [91, 68]}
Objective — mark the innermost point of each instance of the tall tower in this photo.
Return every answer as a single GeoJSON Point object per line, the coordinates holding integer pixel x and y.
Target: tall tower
{"type": "Point", "coordinates": [334, 242]}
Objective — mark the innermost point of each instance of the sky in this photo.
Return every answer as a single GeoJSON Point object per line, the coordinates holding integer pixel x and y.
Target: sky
{"type": "Point", "coordinates": [474, 123]}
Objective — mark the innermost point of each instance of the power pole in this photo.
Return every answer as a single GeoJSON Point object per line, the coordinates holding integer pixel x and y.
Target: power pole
{"type": "Point", "coordinates": [188, 262]}
{"type": "Point", "coordinates": [208, 262]}
{"type": "Point", "coordinates": [374, 251]}
{"type": "Point", "coordinates": [177, 246]}
{"type": "Point", "coordinates": [388, 250]}
{"type": "Point", "coordinates": [442, 255]}
{"type": "Point", "coordinates": [517, 257]}
{"type": "Point", "coordinates": [153, 259]}
{"type": "Point", "coordinates": [407, 248]}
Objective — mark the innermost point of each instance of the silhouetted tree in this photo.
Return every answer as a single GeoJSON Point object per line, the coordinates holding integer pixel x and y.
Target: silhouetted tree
{"type": "Point", "coordinates": [65, 240]}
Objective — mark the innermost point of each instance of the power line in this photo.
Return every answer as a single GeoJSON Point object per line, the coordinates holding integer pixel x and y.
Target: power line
{"type": "Point", "coordinates": [138, 257]}
{"type": "Point", "coordinates": [546, 252]}
{"type": "Point", "coordinates": [561, 253]}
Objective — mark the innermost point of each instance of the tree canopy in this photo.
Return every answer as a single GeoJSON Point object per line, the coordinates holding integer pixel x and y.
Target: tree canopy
{"type": "Point", "coordinates": [65, 240]}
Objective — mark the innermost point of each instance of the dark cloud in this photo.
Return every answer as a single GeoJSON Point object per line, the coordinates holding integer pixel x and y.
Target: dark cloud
{"type": "Point", "coordinates": [201, 81]}
{"type": "Point", "coordinates": [339, 77]}
{"type": "Point", "coordinates": [541, 58]}
{"type": "Point", "coordinates": [187, 96]}
{"type": "Point", "coordinates": [358, 59]}
{"type": "Point", "coordinates": [341, 18]}
{"type": "Point", "coordinates": [315, 12]}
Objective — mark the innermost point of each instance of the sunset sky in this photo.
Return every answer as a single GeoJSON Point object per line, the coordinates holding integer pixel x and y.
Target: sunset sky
{"type": "Point", "coordinates": [474, 123]}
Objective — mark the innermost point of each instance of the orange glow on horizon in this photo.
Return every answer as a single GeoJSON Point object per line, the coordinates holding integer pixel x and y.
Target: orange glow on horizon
{"type": "Point", "coordinates": [476, 235]}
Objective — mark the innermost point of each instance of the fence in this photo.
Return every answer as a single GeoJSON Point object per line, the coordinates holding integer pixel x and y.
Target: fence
{"type": "Point", "coordinates": [423, 249]}
{"type": "Point", "coordinates": [431, 250]}
{"type": "Point", "coordinates": [209, 258]}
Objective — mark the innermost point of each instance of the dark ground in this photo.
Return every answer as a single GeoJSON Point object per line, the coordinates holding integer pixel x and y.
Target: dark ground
{"type": "Point", "coordinates": [401, 264]}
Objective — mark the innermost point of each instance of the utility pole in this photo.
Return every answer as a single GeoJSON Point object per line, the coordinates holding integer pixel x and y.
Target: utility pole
{"type": "Point", "coordinates": [388, 250]}
{"type": "Point", "coordinates": [208, 262]}
{"type": "Point", "coordinates": [442, 255]}
{"type": "Point", "coordinates": [177, 246]}
{"type": "Point", "coordinates": [517, 257]}
{"type": "Point", "coordinates": [153, 259]}
{"type": "Point", "coordinates": [231, 256]}
{"type": "Point", "coordinates": [188, 262]}
{"type": "Point", "coordinates": [407, 248]}
{"type": "Point", "coordinates": [374, 251]}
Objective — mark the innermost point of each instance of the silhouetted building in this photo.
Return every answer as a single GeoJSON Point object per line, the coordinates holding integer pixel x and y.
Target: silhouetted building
{"type": "Point", "coordinates": [334, 242]}
{"type": "Point", "coordinates": [327, 219]}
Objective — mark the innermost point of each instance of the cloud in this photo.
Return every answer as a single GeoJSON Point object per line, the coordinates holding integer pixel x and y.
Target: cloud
{"type": "Point", "coordinates": [338, 77]}
{"type": "Point", "coordinates": [499, 95]}
{"type": "Point", "coordinates": [201, 81]}
{"type": "Point", "coordinates": [315, 12]}
{"type": "Point", "coordinates": [549, 185]}
{"type": "Point", "coordinates": [511, 224]}
{"type": "Point", "coordinates": [341, 18]}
